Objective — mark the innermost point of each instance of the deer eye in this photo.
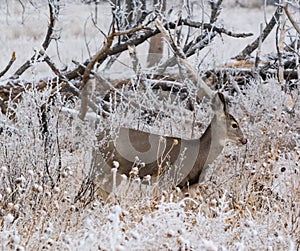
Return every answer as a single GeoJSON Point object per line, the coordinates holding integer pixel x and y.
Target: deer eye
{"type": "Point", "coordinates": [234, 125]}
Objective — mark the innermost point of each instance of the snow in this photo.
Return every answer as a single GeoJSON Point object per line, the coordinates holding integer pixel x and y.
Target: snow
{"type": "Point", "coordinates": [251, 203]}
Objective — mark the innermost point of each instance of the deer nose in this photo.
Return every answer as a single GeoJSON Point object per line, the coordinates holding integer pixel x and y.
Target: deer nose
{"type": "Point", "coordinates": [243, 141]}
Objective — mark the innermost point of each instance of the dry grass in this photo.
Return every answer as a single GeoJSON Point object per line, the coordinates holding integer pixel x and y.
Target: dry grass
{"type": "Point", "coordinates": [252, 201]}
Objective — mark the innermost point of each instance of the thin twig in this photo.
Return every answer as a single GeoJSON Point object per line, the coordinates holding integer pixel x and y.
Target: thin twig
{"type": "Point", "coordinates": [257, 59]}
{"type": "Point", "coordinates": [23, 10]}
{"type": "Point", "coordinates": [280, 47]}
{"type": "Point", "coordinates": [52, 66]}
{"type": "Point", "coordinates": [11, 61]}
{"type": "Point", "coordinates": [85, 39]}
{"type": "Point", "coordinates": [134, 60]}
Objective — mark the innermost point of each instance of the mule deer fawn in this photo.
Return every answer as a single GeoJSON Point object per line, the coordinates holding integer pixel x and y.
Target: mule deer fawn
{"type": "Point", "coordinates": [162, 155]}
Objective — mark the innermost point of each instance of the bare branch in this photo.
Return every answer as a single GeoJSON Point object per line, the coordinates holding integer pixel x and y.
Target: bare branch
{"type": "Point", "coordinates": [87, 72]}
{"type": "Point", "coordinates": [250, 48]}
{"type": "Point", "coordinates": [176, 49]}
{"type": "Point", "coordinates": [148, 33]}
{"type": "Point", "coordinates": [292, 20]}
{"type": "Point", "coordinates": [51, 25]}
{"type": "Point", "coordinates": [215, 10]}
{"type": "Point", "coordinates": [100, 55]}
{"type": "Point", "coordinates": [204, 90]}
{"type": "Point", "coordinates": [45, 44]}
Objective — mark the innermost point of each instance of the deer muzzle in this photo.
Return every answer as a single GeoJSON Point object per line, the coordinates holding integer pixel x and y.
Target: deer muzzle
{"type": "Point", "coordinates": [243, 141]}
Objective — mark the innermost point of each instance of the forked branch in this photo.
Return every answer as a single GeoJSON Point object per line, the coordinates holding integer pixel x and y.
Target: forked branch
{"type": "Point", "coordinates": [253, 46]}
{"type": "Point", "coordinates": [204, 89]}
{"type": "Point", "coordinates": [99, 55]}
{"type": "Point", "coordinates": [148, 33]}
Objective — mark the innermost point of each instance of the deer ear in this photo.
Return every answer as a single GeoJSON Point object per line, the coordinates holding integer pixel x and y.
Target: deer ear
{"type": "Point", "coordinates": [219, 103]}
{"type": "Point", "coordinates": [224, 101]}
{"type": "Point", "coordinates": [221, 97]}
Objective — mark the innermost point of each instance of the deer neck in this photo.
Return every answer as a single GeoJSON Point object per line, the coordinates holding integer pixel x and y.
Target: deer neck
{"type": "Point", "coordinates": [212, 143]}
{"type": "Point", "coordinates": [215, 134]}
